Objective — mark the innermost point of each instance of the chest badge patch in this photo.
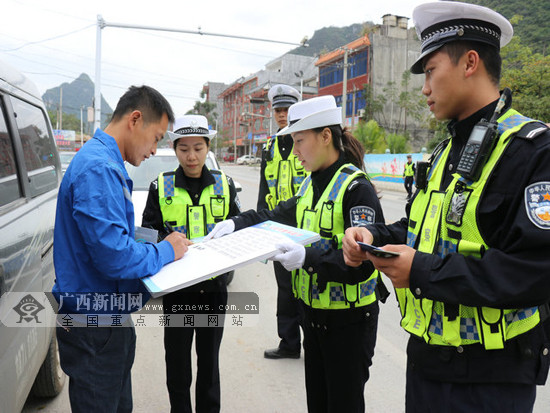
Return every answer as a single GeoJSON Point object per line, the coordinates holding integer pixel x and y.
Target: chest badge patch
{"type": "Point", "coordinates": [361, 216]}
{"type": "Point", "coordinates": [537, 204]}
{"type": "Point", "coordinates": [457, 206]}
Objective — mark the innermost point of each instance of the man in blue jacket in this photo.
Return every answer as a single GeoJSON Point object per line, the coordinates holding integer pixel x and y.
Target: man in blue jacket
{"type": "Point", "coordinates": [98, 263]}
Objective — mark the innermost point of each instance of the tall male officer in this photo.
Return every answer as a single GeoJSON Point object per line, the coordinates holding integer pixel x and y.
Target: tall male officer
{"type": "Point", "coordinates": [472, 280]}
{"type": "Point", "coordinates": [280, 177]}
{"type": "Point", "coordinates": [408, 174]}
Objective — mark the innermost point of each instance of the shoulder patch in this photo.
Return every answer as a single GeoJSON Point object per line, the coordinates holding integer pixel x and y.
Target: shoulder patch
{"type": "Point", "coordinates": [537, 204]}
{"type": "Point", "coordinates": [532, 130]}
{"type": "Point", "coordinates": [361, 216]}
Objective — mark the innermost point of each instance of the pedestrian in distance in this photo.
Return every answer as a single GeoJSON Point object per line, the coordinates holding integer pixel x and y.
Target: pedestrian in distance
{"type": "Point", "coordinates": [340, 303]}
{"type": "Point", "coordinates": [472, 275]}
{"type": "Point", "coordinates": [408, 174]}
{"type": "Point", "coordinates": [280, 177]}
{"type": "Point", "coordinates": [191, 200]}
{"type": "Point", "coordinates": [97, 261]}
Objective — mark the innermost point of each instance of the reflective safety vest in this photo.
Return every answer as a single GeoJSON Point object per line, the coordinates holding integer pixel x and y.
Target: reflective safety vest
{"type": "Point", "coordinates": [409, 169]}
{"type": "Point", "coordinates": [445, 221]}
{"type": "Point", "coordinates": [283, 177]}
{"type": "Point", "coordinates": [327, 219]}
{"type": "Point", "coordinates": [177, 206]}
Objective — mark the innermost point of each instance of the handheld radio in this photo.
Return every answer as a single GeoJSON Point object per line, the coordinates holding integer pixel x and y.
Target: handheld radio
{"type": "Point", "coordinates": [480, 143]}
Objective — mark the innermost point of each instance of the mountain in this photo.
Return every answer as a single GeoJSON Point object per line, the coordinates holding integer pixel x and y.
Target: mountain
{"type": "Point", "coordinates": [533, 27]}
{"type": "Point", "coordinates": [329, 38]}
{"type": "Point", "coordinates": [79, 93]}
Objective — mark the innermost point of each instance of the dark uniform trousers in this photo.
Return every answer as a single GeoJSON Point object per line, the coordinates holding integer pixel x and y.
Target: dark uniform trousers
{"type": "Point", "coordinates": [339, 346]}
{"type": "Point", "coordinates": [178, 346]}
{"type": "Point", "coordinates": [409, 180]}
{"type": "Point", "coordinates": [289, 314]}
{"type": "Point", "coordinates": [428, 396]}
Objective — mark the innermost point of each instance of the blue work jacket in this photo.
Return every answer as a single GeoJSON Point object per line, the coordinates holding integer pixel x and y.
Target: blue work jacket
{"type": "Point", "coordinates": [95, 254]}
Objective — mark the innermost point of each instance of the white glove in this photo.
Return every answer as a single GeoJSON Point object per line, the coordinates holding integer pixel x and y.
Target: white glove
{"type": "Point", "coordinates": [292, 255]}
{"type": "Point", "coordinates": [221, 229]}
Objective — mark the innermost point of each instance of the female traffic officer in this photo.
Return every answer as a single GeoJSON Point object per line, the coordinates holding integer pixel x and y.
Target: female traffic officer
{"type": "Point", "coordinates": [340, 303]}
{"type": "Point", "coordinates": [191, 200]}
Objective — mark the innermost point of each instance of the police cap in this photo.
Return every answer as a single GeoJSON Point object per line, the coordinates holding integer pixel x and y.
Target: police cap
{"type": "Point", "coordinates": [283, 96]}
{"type": "Point", "coordinates": [441, 22]}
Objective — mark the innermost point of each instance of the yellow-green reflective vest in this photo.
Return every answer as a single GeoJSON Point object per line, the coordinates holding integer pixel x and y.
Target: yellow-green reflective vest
{"type": "Point", "coordinates": [177, 206]}
{"type": "Point", "coordinates": [409, 169]}
{"type": "Point", "coordinates": [326, 218]}
{"type": "Point", "coordinates": [283, 177]}
{"type": "Point", "coordinates": [444, 221]}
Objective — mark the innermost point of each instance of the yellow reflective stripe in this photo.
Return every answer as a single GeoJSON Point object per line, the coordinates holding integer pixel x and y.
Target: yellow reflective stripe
{"type": "Point", "coordinates": [429, 231]}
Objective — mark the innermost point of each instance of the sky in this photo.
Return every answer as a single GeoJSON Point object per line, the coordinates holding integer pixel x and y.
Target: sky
{"type": "Point", "coordinates": [54, 41]}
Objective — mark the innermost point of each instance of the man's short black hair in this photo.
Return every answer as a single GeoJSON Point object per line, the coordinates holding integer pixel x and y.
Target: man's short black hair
{"type": "Point", "coordinates": [145, 99]}
{"type": "Point", "coordinates": [487, 53]}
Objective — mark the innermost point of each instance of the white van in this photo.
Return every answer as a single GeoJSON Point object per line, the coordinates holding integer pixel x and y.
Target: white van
{"type": "Point", "coordinates": [30, 173]}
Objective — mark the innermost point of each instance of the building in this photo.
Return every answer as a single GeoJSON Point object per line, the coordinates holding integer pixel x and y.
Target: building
{"type": "Point", "coordinates": [247, 121]}
{"type": "Point", "coordinates": [355, 56]}
{"type": "Point", "coordinates": [394, 50]}
{"type": "Point", "coordinates": [375, 59]}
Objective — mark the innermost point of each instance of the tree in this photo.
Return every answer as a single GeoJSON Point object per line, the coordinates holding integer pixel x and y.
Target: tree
{"type": "Point", "coordinates": [527, 74]}
{"type": "Point", "coordinates": [206, 109]}
{"type": "Point", "coordinates": [371, 136]}
{"type": "Point", "coordinates": [69, 121]}
{"type": "Point", "coordinates": [397, 143]}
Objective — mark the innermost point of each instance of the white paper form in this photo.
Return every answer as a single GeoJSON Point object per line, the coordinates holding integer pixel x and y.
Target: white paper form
{"type": "Point", "coordinates": [220, 255]}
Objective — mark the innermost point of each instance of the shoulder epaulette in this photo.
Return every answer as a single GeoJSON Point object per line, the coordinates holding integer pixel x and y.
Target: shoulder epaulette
{"type": "Point", "coordinates": [532, 130]}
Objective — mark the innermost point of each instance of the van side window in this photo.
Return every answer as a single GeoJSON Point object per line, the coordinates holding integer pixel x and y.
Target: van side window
{"type": "Point", "coordinates": [38, 147]}
{"type": "Point", "coordinates": [9, 186]}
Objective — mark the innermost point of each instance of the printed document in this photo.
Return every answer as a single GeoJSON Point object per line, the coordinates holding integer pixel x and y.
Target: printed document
{"type": "Point", "coordinates": [217, 256]}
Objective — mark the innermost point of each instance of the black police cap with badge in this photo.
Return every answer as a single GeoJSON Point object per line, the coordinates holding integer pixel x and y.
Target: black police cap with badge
{"type": "Point", "coordinates": [442, 22]}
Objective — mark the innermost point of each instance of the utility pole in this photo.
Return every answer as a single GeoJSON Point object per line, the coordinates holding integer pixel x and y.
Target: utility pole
{"type": "Point", "coordinates": [353, 109]}
{"type": "Point", "coordinates": [60, 108]}
{"type": "Point", "coordinates": [81, 128]}
{"type": "Point", "coordinates": [235, 130]}
{"type": "Point", "coordinates": [345, 86]}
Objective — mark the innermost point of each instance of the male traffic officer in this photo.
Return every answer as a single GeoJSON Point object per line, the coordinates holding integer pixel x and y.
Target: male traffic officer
{"type": "Point", "coordinates": [97, 262]}
{"type": "Point", "coordinates": [408, 174]}
{"type": "Point", "coordinates": [280, 177]}
{"type": "Point", "coordinates": [472, 280]}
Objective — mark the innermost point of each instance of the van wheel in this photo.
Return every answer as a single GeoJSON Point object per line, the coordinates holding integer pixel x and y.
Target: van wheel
{"type": "Point", "coordinates": [50, 378]}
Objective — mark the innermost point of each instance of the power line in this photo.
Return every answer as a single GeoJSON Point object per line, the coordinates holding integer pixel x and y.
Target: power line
{"type": "Point", "coordinates": [48, 39]}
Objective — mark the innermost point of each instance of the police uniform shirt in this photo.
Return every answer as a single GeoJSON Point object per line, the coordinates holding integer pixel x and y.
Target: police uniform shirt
{"type": "Point", "coordinates": [152, 215]}
{"type": "Point", "coordinates": [514, 270]}
{"type": "Point", "coordinates": [329, 265]}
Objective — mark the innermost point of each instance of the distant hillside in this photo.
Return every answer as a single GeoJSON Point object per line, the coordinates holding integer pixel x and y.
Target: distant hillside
{"type": "Point", "coordinates": [329, 38]}
{"type": "Point", "coordinates": [79, 93]}
{"type": "Point", "coordinates": [533, 29]}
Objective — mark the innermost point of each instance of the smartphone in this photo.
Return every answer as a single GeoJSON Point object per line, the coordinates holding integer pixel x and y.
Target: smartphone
{"type": "Point", "coordinates": [379, 252]}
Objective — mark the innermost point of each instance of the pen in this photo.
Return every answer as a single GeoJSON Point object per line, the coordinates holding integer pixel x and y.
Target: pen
{"type": "Point", "coordinates": [169, 227]}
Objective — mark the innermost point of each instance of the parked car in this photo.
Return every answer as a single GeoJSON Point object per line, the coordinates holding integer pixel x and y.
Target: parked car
{"type": "Point", "coordinates": [248, 160]}
{"type": "Point", "coordinates": [229, 157]}
{"type": "Point", "coordinates": [149, 170]}
{"type": "Point", "coordinates": [30, 173]}
{"type": "Point", "coordinates": [65, 157]}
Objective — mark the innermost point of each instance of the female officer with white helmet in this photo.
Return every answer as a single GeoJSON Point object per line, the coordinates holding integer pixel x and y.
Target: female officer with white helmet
{"type": "Point", "coordinates": [340, 303]}
{"type": "Point", "coordinates": [191, 200]}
